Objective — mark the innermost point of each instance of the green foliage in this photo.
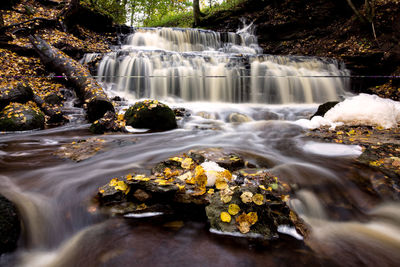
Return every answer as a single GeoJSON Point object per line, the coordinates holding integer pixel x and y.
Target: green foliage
{"type": "Point", "coordinates": [184, 18]}
{"type": "Point", "coordinates": [116, 9]}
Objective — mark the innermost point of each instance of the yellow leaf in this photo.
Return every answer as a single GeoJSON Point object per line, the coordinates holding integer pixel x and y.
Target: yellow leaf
{"type": "Point", "coordinates": [187, 163]}
{"type": "Point", "coordinates": [252, 217]}
{"type": "Point", "coordinates": [221, 183]}
{"type": "Point", "coordinates": [101, 191]}
{"type": "Point", "coordinates": [185, 176]}
{"type": "Point", "coordinates": [233, 209]}
{"type": "Point", "coordinates": [258, 199]}
{"type": "Point", "coordinates": [129, 177]}
{"type": "Point", "coordinates": [113, 182]}
{"type": "Point", "coordinates": [210, 191]}
{"type": "Point", "coordinates": [225, 217]}
{"type": "Point", "coordinates": [246, 197]}
{"type": "Point", "coordinates": [226, 198]}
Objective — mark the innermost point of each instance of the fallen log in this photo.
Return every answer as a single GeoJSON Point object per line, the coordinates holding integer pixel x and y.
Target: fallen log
{"type": "Point", "coordinates": [86, 87]}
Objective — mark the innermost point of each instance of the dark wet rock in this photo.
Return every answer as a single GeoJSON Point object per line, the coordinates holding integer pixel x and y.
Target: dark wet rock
{"type": "Point", "coordinates": [20, 117]}
{"type": "Point", "coordinates": [53, 99]}
{"type": "Point", "coordinates": [323, 108]}
{"type": "Point", "coordinates": [117, 99]}
{"type": "Point", "coordinates": [109, 123]}
{"type": "Point", "coordinates": [20, 94]}
{"type": "Point", "coordinates": [10, 227]}
{"type": "Point", "coordinates": [255, 203]}
{"type": "Point", "coordinates": [181, 112]}
{"type": "Point", "coordinates": [151, 114]}
{"type": "Point", "coordinates": [238, 118]}
{"type": "Point", "coordinates": [225, 159]}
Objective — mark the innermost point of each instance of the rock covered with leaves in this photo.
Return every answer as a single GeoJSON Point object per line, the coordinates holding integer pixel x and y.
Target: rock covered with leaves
{"type": "Point", "coordinates": [20, 117]}
{"type": "Point", "coordinates": [151, 114]}
{"type": "Point", "coordinates": [247, 201]}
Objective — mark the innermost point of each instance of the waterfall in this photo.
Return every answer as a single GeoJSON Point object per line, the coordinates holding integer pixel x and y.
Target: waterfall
{"type": "Point", "coordinates": [202, 65]}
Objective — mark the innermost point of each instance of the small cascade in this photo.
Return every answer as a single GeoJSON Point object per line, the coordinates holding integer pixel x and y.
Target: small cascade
{"type": "Point", "coordinates": [202, 65]}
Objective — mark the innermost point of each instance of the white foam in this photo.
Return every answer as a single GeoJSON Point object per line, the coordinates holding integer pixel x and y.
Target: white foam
{"type": "Point", "coordinates": [235, 234]}
{"type": "Point", "coordinates": [289, 230]}
{"type": "Point", "coordinates": [210, 167]}
{"type": "Point", "coordinates": [366, 110]}
{"type": "Point", "coordinates": [143, 215]}
{"type": "Point", "coordinates": [332, 149]}
{"type": "Point", "coordinates": [362, 109]}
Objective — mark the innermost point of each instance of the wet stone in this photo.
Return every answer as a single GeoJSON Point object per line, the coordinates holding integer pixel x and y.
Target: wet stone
{"type": "Point", "coordinates": [250, 202]}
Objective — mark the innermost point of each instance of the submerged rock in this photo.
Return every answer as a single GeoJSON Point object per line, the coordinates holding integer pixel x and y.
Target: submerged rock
{"type": "Point", "coordinates": [20, 117]}
{"type": "Point", "coordinates": [250, 202]}
{"type": "Point", "coordinates": [151, 114]}
{"type": "Point", "coordinates": [10, 227]}
{"type": "Point", "coordinates": [239, 118]}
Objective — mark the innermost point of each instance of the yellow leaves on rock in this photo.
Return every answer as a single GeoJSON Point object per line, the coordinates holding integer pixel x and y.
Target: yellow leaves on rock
{"type": "Point", "coordinates": [187, 163]}
{"type": "Point", "coordinates": [225, 217]}
{"type": "Point", "coordinates": [233, 209]}
{"type": "Point", "coordinates": [200, 181]}
{"type": "Point", "coordinates": [245, 221]}
{"type": "Point", "coordinates": [119, 185]}
{"type": "Point", "coordinates": [246, 197]}
{"type": "Point", "coordinates": [258, 199]}
{"type": "Point", "coordinates": [113, 182]}
{"type": "Point", "coordinates": [185, 177]}
{"type": "Point", "coordinates": [226, 195]}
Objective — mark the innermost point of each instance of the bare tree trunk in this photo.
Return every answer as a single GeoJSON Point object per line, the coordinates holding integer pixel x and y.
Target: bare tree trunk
{"type": "Point", "coordinates": [196, 12]}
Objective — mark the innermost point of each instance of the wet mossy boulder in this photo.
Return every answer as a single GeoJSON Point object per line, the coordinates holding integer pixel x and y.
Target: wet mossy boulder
{"type": "Point", "coordinates": [9, 226]}
{"type": "Point", "coordinates": [21, 117]}
{"type": "Point", "coordinates": [150, 114]}
{"type": "Point", "coordinates": [20, 94]}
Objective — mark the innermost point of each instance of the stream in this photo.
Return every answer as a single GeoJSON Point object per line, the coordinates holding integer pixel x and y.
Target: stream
{"type": "Point", "coordinates": [211, 75]}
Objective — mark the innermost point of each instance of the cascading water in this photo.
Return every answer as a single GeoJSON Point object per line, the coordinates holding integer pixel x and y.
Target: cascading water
{"type": "Point", "coordinates": [350, 225]}
{"type": "Point", "coordinates": [199, 65]}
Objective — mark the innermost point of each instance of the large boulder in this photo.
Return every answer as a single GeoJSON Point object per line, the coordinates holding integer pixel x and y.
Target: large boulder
{"type": "Point", "coordinates": [21, 117]}
{"type": "Point", "coordinates": [21, 94]}
{"type": "Point", "coordinates": [10, 227]}
{"type": "Point", "coordinates": [150, 114]}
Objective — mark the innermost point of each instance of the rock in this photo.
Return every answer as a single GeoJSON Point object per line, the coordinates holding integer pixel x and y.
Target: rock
{"type": "Point", "coordinates": [228, 160]}
{"type": "Point", "coordinates": [53, 99]}
{"type": "Point", "coordinates": [81, 150]}
{"type": "Point", "coordinates": [323, 108]}
{"type": "Point", "coordinates": [181, 112]}
{"type": "Point", "coordinates": [151, 114]}
{"type": "Point", "coordinates": [108, 123]}
{"type": "Point", "coordinates": [10, 227]}
{"type": "Point", "coordinates": [21, 94]}
{"type": "Point", "coordinates": [254, 204]}
{"type": "Point", "coordinates": [239, 118]}
{"type": "Point", "coordinates": [206, 115]}
{"type": "Point", "coordinates": [20, 117]}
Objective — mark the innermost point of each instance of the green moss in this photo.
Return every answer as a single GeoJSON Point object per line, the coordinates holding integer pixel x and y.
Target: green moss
{"type": "Point", "coordinates": [150, 114]}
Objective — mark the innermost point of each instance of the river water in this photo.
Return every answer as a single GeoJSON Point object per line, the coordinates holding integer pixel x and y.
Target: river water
{"type": "Point", "coordinates": [350, 225]}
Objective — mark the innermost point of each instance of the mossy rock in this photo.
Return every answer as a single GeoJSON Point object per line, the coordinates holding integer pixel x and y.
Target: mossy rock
{"type": "Point", "coordinates": [21, 117]}
{"type": "Point", "coordinates": [10, 227]}
{"type": "Point", "coordinates": [151, 114]}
